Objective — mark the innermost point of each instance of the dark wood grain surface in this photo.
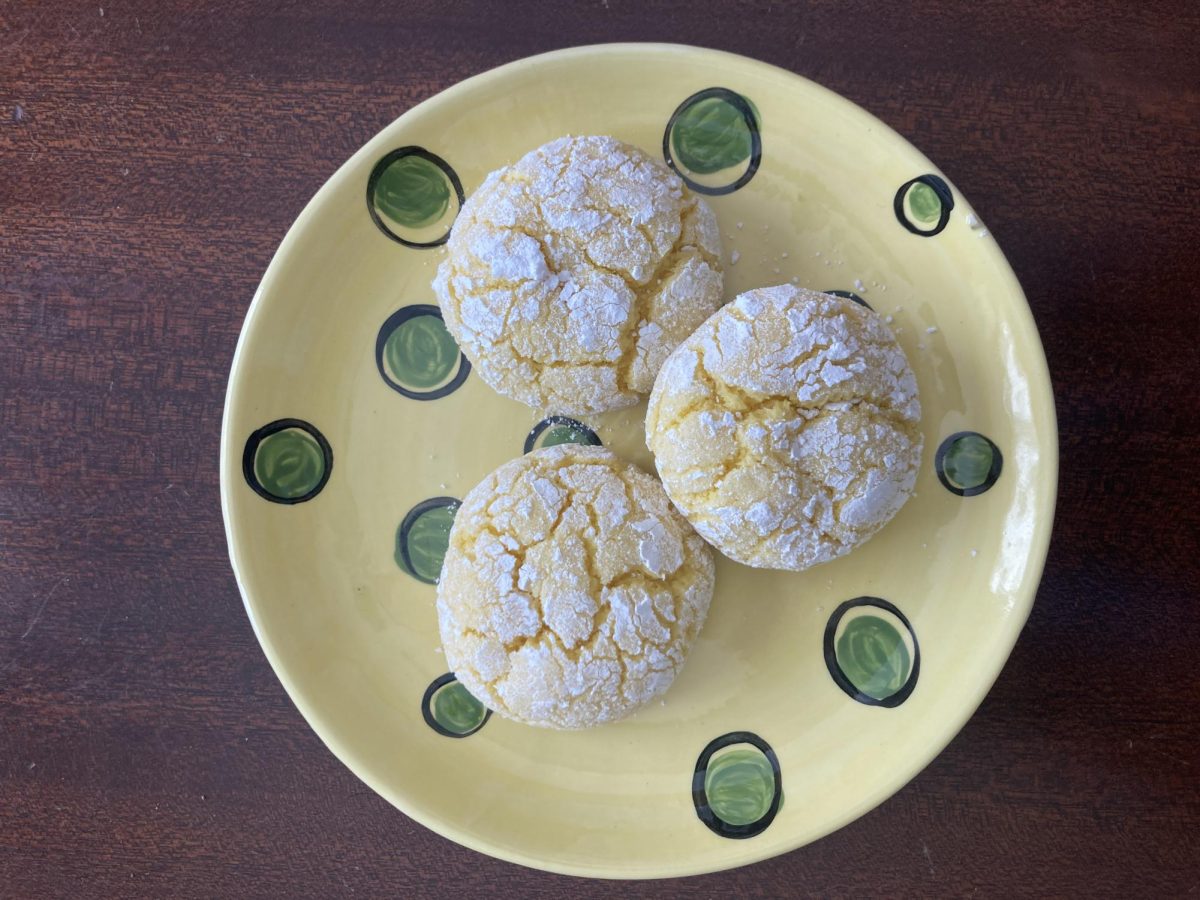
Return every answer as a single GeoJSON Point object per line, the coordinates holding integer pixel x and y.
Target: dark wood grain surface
{"type": "Point", "coordinates": [152, 155]}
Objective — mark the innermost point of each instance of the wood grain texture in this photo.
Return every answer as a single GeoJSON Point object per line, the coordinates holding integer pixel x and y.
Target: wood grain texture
{"type": "Point", "coordinates": [152, 155]}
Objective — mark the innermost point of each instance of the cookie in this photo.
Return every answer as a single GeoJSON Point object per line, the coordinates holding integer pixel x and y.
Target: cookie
{"type": "Point", "coordinates": [786, 427]}
{"type": "Point", "coordinates": [572, 274]}
{"type": "Point", "coordinates": [572, 590]}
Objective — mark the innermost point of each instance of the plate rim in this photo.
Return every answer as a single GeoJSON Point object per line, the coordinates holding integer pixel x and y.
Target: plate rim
{"type": "Point", "coordinates": [1041, 393]}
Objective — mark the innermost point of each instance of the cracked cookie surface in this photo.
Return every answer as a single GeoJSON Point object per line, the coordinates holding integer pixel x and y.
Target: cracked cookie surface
{"type": "Point", "coordinates": [573, 273]}
{"type": "Point", "coordinates": [786, 427]}
{"type": "Point", "coordinates": [572, 590]}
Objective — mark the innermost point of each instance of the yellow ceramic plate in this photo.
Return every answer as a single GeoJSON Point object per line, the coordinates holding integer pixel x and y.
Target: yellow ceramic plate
{"type": "Point", "coordinates": [352, 423]}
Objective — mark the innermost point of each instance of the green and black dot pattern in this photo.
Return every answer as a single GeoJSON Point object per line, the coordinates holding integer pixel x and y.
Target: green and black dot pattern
{"type": "Point", "coordinates": [713, 141]}
{"type": "Point", "coordinates": [451, 710]}
{"type": "Point", "coordinates": [560, 430]}
{"type": "Point", "coordinates": [417, 356]}
{"type": "Point", "coordinates": [414, 196]}
{"type": "Point", "coordinates": [923, 205]}
{"type": "Point", "coordinates": [737, 787]}
{"type": "Point", "coordinates": [850, 295]}
{"type": "Point", "coordinates": [287, 461]}
{"type": "Point", "coordinates": [871, 651]}
{"type": "Point", "coordinates": [424, 536]}
{"type": "Point", "coordinates": [967, 463]}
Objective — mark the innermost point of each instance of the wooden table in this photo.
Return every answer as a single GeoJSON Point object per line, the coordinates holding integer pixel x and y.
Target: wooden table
{"type": "Point", "coordinates": [152, 155]}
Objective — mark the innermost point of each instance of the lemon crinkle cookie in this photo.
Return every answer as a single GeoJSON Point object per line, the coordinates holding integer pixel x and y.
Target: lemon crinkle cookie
{"type": "Point", "coordinates": [572, 590]}
{"type": "Point", "coordinates": [786, 427]}
{"type": "Point", "coordinates": [572, 274]}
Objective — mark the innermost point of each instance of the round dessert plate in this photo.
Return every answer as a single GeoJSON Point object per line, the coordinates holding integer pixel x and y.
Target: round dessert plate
{"type": "Point", "coordinates": [353, 424]}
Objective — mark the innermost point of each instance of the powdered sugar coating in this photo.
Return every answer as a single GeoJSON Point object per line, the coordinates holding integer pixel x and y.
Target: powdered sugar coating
{"type": "Point", "coordinates": [786, 427]}
{"type": "Point", "coordinates": [572, 590]}
{"type": "Point", "coordinates": [572, 274]}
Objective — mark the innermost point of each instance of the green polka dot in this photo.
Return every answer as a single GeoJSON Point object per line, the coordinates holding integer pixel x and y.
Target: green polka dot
{"type": "Point", "coordinates": [565, 434]}
{"type": "Point", "coordinates": [873, 656]}
{"type": "Point", "coordinates": [457, 710]}
{"type": "Point", "coordinates": [426, 537]}
{"type": "Point", "coordinates": [413, 192]}
{"type": "Point", "coordinates": [288, 463]}
{"type": "Point", "coordinates": [968, 461]}
{"type": "Point", "coordinates": [740, 785]}
{"type": "Point", "coordinates": [560, 430]}
{"type": "Point", "coordinates": [924, 203]}
{"type": "Point", "coordinates": [420, 354]}
{"type": "Point", "coordinates": [711, 135]}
